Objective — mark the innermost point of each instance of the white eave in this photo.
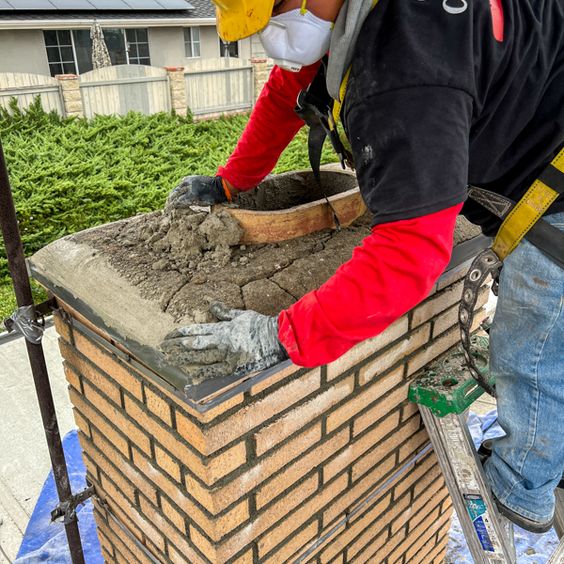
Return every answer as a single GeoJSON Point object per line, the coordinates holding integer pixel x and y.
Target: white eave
{"type": "Point", "coordinates": [86, 23]}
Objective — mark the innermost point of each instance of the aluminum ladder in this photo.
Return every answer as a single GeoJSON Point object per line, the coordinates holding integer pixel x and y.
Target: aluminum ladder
{"type": "Point", "coordinates": [444, 392]}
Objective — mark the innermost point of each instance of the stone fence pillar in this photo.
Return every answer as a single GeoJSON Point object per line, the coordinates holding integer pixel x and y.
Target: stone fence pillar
{"type": "Point", "coordinates": [260, 74]}
{"type": "Point", "coordinates": [72, 98]}
{"type": "Point", "coordinates": [177, 84]}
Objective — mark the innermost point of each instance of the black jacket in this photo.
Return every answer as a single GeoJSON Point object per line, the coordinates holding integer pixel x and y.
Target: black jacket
{"type": "Point", "coordinates": [437, 100]}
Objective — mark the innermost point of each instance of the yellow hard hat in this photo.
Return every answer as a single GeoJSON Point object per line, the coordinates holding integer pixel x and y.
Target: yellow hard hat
{"type": "Point", "coordinates": [237, 19]}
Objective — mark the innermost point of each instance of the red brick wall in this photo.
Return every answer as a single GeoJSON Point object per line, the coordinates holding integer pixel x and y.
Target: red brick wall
{"type": "Point", "coordinates": [317, 462]}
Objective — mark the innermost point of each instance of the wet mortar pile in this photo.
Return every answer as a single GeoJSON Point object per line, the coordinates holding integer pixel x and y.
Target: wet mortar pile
{"type": "Point", "coordinates": [184, 259]}
{"type": "Point", "coordinates": [178, 262]}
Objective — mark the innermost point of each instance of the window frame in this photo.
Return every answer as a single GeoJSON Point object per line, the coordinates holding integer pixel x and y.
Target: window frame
{"type": "Point", "coordinates": [73, 46]}
{"type": "Point", "coordinates": [192, 42]}
{"type": "Point", "coordinates": [136, 43]}
{"type": "Point", "coordinates": [58, 46]}
{"type": "Point", "coordinates": [225, 46]}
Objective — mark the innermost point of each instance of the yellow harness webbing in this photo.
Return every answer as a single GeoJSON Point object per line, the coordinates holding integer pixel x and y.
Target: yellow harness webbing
{"type": "Point", "coordinates": [528, 210]}
{"type": "Point", "coordinates": [338, 104]}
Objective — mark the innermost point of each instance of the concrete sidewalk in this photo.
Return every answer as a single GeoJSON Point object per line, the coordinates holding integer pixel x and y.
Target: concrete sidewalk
{"type": "Point", "coordinates": [24, 458]}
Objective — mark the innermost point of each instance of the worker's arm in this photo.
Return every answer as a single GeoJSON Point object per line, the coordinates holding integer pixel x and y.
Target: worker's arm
{"type": "Point", "coordinates": [411, 150]}
{"type": "Point", "coordinates": [390, 272]}
{"type": "Point", "coordinates": [271, 127]}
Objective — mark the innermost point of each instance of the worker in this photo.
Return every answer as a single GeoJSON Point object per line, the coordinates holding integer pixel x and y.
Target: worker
{"type": "Point", "coordinates": [440, 95]}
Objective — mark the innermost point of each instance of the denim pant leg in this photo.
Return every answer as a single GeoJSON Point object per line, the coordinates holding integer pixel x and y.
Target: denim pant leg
{"type": "Point", "coordinates": [527, 359]}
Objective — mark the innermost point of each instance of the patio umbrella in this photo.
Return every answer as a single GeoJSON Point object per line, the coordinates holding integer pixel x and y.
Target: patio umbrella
{"type": "Point", "coordinates": [100, 54]}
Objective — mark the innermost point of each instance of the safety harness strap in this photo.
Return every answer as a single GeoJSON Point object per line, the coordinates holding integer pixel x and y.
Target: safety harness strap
{"type": "Point", "coordinates": [549, 240]}
{"type": "Point", "coordinates": [338, 104]}
{"type": "Point", "coordinates": [553, 176]}
{"type": "Point", "coordinates": [530, 208]}
{"type": "Point", "coordinates": [313, 107]}
{"type": "Point", "coordinates": [519, 220]}
{"type": "Point", "coordinates": [542, 234]}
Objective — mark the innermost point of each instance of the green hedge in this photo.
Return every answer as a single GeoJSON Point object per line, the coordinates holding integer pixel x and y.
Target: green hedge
{"type": "Point", "coordinates": [71, 174]}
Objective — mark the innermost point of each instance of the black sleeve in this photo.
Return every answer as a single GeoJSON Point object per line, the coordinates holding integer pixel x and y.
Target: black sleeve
{"type": "Point", "coordinates": [410, 147]}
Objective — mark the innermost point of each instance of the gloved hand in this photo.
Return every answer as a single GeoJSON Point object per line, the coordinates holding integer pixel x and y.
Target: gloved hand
{"type": "Point", "coordinates": [197, 190]}
{"type": "Point", "coordinates": [242, 342]}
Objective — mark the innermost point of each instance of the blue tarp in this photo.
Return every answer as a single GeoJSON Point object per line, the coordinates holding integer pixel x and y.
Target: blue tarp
{"type": "Point", "coordinates": [46, 542]}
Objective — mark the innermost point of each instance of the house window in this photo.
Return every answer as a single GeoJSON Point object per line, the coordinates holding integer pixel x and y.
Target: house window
{"type": "Point", "coordinates": [115, 42]}
{"type": "Point", "coordinates": [70, 51]}
{"type": "Point", "coordinates": [192, 42]}
{"type": "Point", "coordinates": [82, 49]}
{"type": "Point", "coordinates": [228, 48]}
{"type": "Point", "coordinates": [60, 52]}
{"type": "Point", "coordinates": [137, 46]}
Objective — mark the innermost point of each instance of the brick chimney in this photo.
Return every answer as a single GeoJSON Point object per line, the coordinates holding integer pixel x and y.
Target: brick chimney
{"type": "Point", "coordinates": [290, 465]}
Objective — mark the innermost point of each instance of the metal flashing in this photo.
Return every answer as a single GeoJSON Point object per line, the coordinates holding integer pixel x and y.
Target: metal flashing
{"type": "Point", "coordinates": [151, 363]}
{"type": "Point", "coordinates": [466, 251]}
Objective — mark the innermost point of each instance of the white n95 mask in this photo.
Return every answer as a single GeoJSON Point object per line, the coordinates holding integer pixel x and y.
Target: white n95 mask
{"type": "Point", "coordinates": [296, 39]}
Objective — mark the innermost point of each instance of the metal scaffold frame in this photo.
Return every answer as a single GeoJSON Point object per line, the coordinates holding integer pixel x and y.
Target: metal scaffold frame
{"type": "Point", "coordinates": [26, 319]}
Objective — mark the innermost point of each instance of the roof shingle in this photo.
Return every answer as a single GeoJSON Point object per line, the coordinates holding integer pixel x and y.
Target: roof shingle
{"type": "Point", "coordinates": [34, 10]}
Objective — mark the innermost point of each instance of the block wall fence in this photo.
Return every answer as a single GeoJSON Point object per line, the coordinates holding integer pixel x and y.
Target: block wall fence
{"type": "Point", "coordinates": [324, 465]}
{"type": "Point", "coordinates": [209, 88]}
{"type": "Point", "coordinates": [73, 104]}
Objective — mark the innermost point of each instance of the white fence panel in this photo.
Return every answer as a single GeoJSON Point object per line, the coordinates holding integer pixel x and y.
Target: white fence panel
{"type": "Point", "coordinates": [218, 85]}
{"type": "Point", "coordinates": [124, 88]}
{"type": "Point", "coordinates": [25, 87]}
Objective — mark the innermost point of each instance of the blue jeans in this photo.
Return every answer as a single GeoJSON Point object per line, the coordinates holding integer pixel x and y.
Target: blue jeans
{"type": "Point", "coordinates": [527, 359]}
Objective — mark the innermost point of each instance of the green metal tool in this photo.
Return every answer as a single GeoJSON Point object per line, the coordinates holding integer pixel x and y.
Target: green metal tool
{"type": "Point", "coordinates": [446, 386]}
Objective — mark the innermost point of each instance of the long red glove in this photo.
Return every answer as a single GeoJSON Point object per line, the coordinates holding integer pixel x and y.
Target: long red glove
{"type": "Point", "coordinates": [390, 272]}
{"type": "Point", "coordinates": [271, 127]}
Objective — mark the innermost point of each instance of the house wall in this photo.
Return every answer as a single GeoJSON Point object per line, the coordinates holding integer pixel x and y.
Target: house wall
{"type": "Point", "coordinates": [256, 47]}
{"type": "Point", "coordinates": [209, 42]}
{"type": "Point", "coordinates": [245, 49]}
{"type": "Point", "coordinates": [23, 51]}
{"type": "Point", "coordinates": [166, 46]}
